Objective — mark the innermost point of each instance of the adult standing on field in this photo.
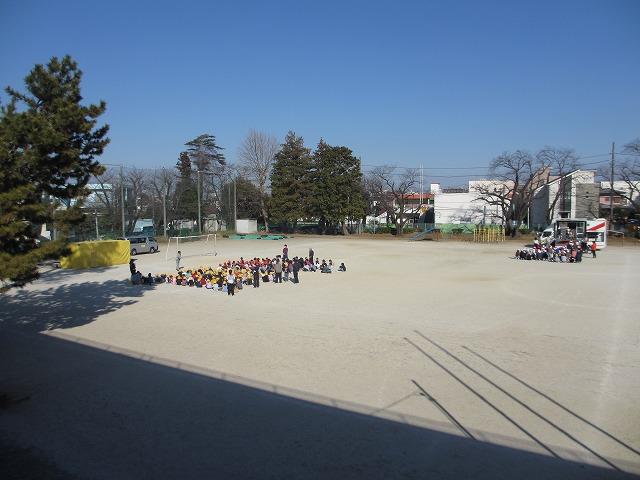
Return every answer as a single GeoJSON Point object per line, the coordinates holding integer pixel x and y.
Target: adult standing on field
{"type": "Point", "coordinates": [296, 269]}
{"type": "Point", "coordinates": [178, 258]}
{"type": "Point", "coordinates": [256, 277]}
{"type": "Point", "coordinates": [311, 254]}
{"type": "Point", "coordinates": [231, 283]}
{"type": "Point", "coordinates": [277, 269]}
{"type": "Point", "coordinates": [285, 252]}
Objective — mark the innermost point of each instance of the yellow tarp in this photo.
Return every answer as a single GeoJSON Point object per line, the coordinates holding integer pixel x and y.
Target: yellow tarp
{"type": "Point", "coordinates": [97, 254]}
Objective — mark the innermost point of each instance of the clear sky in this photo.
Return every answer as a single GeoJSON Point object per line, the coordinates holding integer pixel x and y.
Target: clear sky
{"type": "Point", "coordinates": [443, 84]}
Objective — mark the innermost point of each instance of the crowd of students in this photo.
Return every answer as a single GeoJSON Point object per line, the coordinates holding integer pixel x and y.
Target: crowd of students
{"type": "Point", "coordinates": [571, 252]}
{"type": "Point", "coordinates": [233, 275]}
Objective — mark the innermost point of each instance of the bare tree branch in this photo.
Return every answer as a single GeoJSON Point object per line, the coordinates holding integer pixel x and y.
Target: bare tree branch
{"type": "Point", "coordinates": [392, 188]}
{"type": "Point", "coordinates": [257, 154]}
{"type": "Point", "coordinates": [516, 176]}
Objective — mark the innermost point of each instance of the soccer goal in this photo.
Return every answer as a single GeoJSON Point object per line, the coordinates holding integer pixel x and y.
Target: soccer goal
{"type": "Point", "coordinates": [192, 245]}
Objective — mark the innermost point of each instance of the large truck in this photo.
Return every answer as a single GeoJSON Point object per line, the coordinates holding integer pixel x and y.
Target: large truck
{"type": "Point", "coordinates": [565, 230]}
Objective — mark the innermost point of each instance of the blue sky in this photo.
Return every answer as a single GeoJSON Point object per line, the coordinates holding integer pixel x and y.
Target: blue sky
{"type": "Point", "coordinates": [443, 84]}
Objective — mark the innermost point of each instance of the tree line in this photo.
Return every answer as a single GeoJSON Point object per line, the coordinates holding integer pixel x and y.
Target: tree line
{"type": "Point", "coordinates": [279, 184]}
{"type": "Point", "coordinates": [50, 142]}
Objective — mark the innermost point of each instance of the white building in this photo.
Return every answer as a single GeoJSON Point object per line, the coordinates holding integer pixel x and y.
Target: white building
{"type": "Point", "coordinates": [578, 199]}
{"type": "Point", "coordinates": [465, 205]}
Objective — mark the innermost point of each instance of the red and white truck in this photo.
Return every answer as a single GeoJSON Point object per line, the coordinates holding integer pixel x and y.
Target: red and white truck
{"type": "Point", "coordinates": [577, 229]}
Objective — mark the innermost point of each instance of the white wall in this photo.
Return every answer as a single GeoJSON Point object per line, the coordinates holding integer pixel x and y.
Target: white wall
{"type": "Point", "coordinates": [245, 226]}
{"type": "Point", "coordinates": [466, 207]}
{"type": "Point", "coordinates": [457, 208]}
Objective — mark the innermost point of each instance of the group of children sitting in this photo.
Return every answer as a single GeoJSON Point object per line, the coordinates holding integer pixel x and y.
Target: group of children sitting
{"type": "Point", "coordinates": [569, 253]}
{"type": "Point", "coordinates": [233, 275]}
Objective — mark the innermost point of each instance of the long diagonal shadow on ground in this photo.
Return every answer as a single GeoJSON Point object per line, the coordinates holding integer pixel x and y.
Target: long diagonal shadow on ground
{"type": "Point", "coordinates": [101, 414]}
{"type": "Point", "coordinates": [555, 402]}
{"type": "Point", "coordinates": [518, 401]}
{"type": "Point", "coordinates": [484, 399]}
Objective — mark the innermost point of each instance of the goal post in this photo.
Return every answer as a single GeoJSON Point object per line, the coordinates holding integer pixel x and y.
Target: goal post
{"type": "Point", "coordinates": [192, 245]}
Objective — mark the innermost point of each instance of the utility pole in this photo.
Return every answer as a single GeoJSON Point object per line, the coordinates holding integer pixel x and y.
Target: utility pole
{"type": "Point", "coordinates": [164, 214]}
{"type": "Point", "coordinates": [229, 203]}
{"type": "Point", "coordinates": [122, 200]}
{"type": "Point", "coordinates": [199, 211]}
{"type": "Point", "coordinates": [613, 159]}
{"type": "Point", "coordinates": [235, 205]}
{"type": "Point", "coordinates": [95, 212]}
{"type": "Point", "coordinates": [421, 186]}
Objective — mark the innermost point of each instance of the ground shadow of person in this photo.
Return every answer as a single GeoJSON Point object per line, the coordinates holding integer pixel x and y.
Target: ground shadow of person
{"type": "Point", "coordinates": [66, 306]}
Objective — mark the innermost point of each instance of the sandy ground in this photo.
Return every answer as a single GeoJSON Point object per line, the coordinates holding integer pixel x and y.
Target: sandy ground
{"type": "Point", "coordinates": [452, 339]}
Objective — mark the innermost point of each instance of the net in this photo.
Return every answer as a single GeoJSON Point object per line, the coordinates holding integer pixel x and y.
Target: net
{"type": "Point", "coordinates": [192, 246]}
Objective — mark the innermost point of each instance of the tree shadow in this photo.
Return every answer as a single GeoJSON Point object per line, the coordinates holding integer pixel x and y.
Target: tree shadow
{"type": "Point", "coordinates": [54, 275]}
{"type": "Point", "coordinates": [103, 414]}
{"type": "Point", "coordinates": [66, 306]}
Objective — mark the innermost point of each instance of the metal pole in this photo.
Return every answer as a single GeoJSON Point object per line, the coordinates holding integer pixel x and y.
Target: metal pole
{"type": "Point", "coordinates": [613, 159]}
{"type": "Point", "coordinates": [199, 207]}
{"type": "Point", "coordinates": [122, 200]}
{"type": "Point", "coordinates": [164, 214]}
{"type": "Point", "coordinates": [95, 212]}
{"type": "Point", "coordinates": [421, 186]}
{"type": "Point", "coordinates": [235, 205]}
{"type": "Point", "coordinates": [229, 204]}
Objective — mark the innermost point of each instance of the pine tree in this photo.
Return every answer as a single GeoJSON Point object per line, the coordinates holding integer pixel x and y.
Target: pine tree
{"type": "Point", "coordinates": [337, 194]}
{"type": "Point", "coordinates": [48, 142]}
{"type": "Point", "coordinates": [186, 189]}
{"type": "Point", "coordinates": [290, 186]}
{"type": "Point", "coordinates": [205, 152]}
{"type": "Point", "coordinates": [184, 166]}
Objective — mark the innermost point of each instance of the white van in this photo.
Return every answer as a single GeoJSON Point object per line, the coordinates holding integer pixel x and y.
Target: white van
{"type": "Point", "coordinates": [143, 245]}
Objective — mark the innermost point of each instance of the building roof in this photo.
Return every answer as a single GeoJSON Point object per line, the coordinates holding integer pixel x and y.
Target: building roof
{"type": "Point", "coordinates": [607, 191]}
{"type": "Point", "coordinates": [416, 196]}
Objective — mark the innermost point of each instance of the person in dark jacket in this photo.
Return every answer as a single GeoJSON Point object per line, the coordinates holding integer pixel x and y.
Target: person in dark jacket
{"type": "Point", "coordinates": [296, 269]}
{"type": "Point", "coordinates": [256, 277]}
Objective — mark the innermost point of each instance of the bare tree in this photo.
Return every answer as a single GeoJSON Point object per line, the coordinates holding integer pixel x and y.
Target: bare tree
{"type": "Point", "coordinates": [560, 162]}
{"type": "Point", "coordinates": [161, 185]}
{"type": "Point", "coordinates": [257, 154]}
{"type": "Point", "coordinates": [137, 195]}
{"type": "Point", "coordinates": [106, 195]}
{"type": "Point", "coordinates": [516, 176]}
{"type": "Point", "coordinates": [629, 173]}
{"type": "Point", "coordinates": [391, 189]}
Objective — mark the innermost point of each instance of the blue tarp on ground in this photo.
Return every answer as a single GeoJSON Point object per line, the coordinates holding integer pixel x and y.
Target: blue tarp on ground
{"type": "Point", "coordinates": [255, 236]}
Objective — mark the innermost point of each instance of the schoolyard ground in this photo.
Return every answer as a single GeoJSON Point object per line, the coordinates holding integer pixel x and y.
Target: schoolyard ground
{"type": "Point", "coordinates": [425, 358]}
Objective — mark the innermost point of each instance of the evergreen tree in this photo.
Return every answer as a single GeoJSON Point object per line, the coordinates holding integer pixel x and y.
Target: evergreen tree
{"type": "Point", "coordinates": [247, 198]}
{"type": "Point", "coordinates": [205, 152]}
{"type": "Point", "coordinates": [290, 185]}
{"type": "Point", "coordinates": [48, 142]}
{"type": "Point", "coordinates": [186, 190]}
{"type": "Point", "coordinates": [337, 194]}
{"type": "Point", "coordinates": [184, 166]}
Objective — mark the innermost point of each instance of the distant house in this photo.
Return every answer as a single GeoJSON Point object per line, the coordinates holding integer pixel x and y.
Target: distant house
{"type": "Point", "coordinates": [608, 196]}
{"type": "Point", "coordinates": [622, 192]}
{"type": "Point", "coordinates": [416, 209]}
